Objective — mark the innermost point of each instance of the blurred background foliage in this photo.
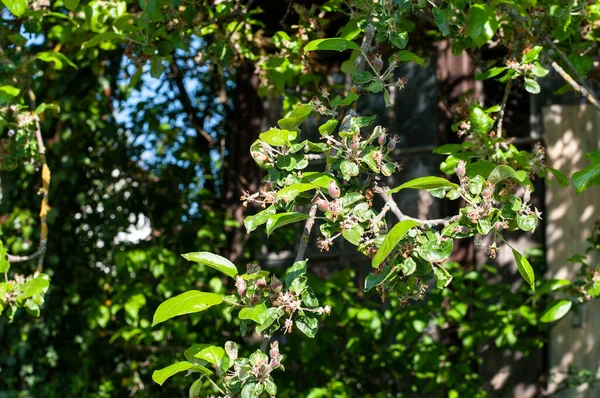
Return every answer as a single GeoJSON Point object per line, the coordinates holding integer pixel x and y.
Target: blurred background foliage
{"type": "Point", "coordinates": [149, 152]}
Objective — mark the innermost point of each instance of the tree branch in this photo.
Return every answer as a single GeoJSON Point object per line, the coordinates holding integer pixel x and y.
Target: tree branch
{"type": "Point", "coordinates": [579, 88]}
{"type": "Point", "coordinates": [503, 108]}
{"type": "Point", "coordinates": [365, 47]}
{"type": "Point", "coordinates": [44, 207]}
{"type": "Point", "coordinates": [389, 201]}
{"type": "Point", "coordinates": [306, 234]}
{"type": "Point", "coordinates": [195, 122]}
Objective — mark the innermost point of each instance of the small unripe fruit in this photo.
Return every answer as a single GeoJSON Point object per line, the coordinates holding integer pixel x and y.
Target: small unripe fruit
{"type": "Point", "coordinates": [378, 63]}
{"type": "Point", "coordinates": [487, 194]}
{"type": "Point", "coordinates": [461, 169]}
{"type": "Point", "coordinates": [381, 139]}
{"type": "Point", "coordinates": [261, 283]}
{"type": "Point", "coordinates": [498, 226]}
{"type": "Point", "coordinates": [422, 3]}
{"type": "Point", "coordinates": [323, 205]}
{"type": "Point", "coordinates": [276, 285]}
{"type": "Point", "coordinates": [392, 144]}
{"type": "Point", "coordinates": [354, 146]}
{"type": "Point", "coordinates": [334, 190]}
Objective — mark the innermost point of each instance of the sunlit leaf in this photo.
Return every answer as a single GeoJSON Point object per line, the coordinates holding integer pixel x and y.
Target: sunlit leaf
{"type": "Point", "coordinates": [556, 311]}
{"type": "Point", "coordinates": [214, 261]}
{"type": "Point", "coordinates": [185, 303]}
{"type": "Point", "coordinates": [333, 44]}
{"type": "Point", "coordinates": [391, 240]}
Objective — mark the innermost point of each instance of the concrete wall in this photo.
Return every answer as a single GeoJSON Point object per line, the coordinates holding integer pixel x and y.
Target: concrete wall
{"type": "Point", "coordinates": [571, 131]}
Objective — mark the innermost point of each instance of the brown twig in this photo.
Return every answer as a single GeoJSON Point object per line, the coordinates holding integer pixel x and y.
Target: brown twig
{"type": "Point", "coordinates": [306, 234]}
{"type": "Point", "coordinates": [44, 207]}
{"type": "Point", "coordinates": [365, 48]}
{"type": "Point", "coordinates": [503, 108]}
{"type": "Point", "coordinates": [266, 339]}
{"type": "Point", "coordinates": [579, 88]}
{"type": "Point", "coordinates": [389, 201]}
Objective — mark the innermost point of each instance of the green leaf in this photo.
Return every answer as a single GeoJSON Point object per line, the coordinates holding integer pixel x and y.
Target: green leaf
{"type": "Point", "coordinates": [556, 311]}
{"type": "Point", "coordinates": [307, 325]}
{"type": "Point", "coordinates": [349, 100]}
{"type": "Point", "coordinates": [350, 30]}
{"type": "Point", "coordinates": [373, 280]}
{"type": "Point", "coordinates": [214, 261]}
{"type": "Point", "coordinates": [258, 313]}
{"type": "Point", "coordinates": [156, 66]}
{"type": "Point", "coordinates": [253, 222]}
{"type": "Point", "coordinates": [270, 387]}
{"type": "Point", "coordinates": [448, 149]}
{"type": "Point", "coordinates": [503, 172]}
{"type": "Point", "coordinates": [527, 222]}
{"type": "Point", "coordinates": [589, 176]}
{"type": "Point", "coordinates": [441, 19]}
{"type": "Point", "coordinates": [532, 86]}
{"type": "Point", "coordinates": [43, 107]}
{"type": "Point", "coordinates": [7, 93]}
{"type": "Point", "coordinates": [102, 38]}
{"type": "Point", "coordinates": [532, 54]}
{"type": "Point", "coordinates": [34, 287]}
{"type": "Point", "coordinates": [375, 87]}
{"type": "Point", "coordinates": [296, 117]}
{"type": "Point", "coordinates": [391, 240]}
{"type": "Point", "coordinates": [424, 183]}
{"type": "Point", "coordinates": [279, 220]}
{"type": "Point", "coordinates": [387, 99]}
{"type": "Point", "coordinates": [290, 193]}
{"type": "Point", "coordinates": [399, 40]}
{"type": "Point", "coordinates": [560, 177]}
{"type": "Point", "coordinates": [297, 270]}
{"type": "Point", "coordinates": [490, 73]}
{"type": "Point", "coordinates": [206, 352]}
{"type": "Point", "coordinates": [56, 57]}
{"type": "Point", "coordinates": [160, 376]}
{"type": "Point", "coordinates": [442, 277]}
{"type": "Point", "coordinates": [525, 268]}
{"type": "Point", "coordinates": [185, 303]}
{"type": "Point", "coordinates": [408, 56]}
{"type": "Point", "coordinates": [408, 266]}
{"type": "Point", "coordinates": [362, 77]}
{"type": "Point", "coordinates": [252, 390]}
{"type": "Point", "coordinates": [71, 4]}
{"type": "Point", "coordinates": [552, 285]}
{"type": "Point", "coordinates": [353, 234]}
{"type": "Point", "coordinates": [332, 44]}
{"type": "Point", "coordinates": [195, 388]}
{"type": "Point", "coordinates": [480, 121]}
{"type": "Point", "coordinates": [328, 127]}
{"type": "Point", "coordinates": [482, 24]}
{"type": "Point", "coordinates": [4, 264]}
{"type": "Point", "coordinates": [16, 7]}
{"type": "Point", "coordinates": [319, 179]}
{"type": "Point", "coordinates": [349, 169]}
{"type": "Point", "coordinates": [277, 137]}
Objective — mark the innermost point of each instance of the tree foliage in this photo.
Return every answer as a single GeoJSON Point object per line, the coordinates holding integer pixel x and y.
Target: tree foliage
{"type": "Point", "coordinates": [115, 112]}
